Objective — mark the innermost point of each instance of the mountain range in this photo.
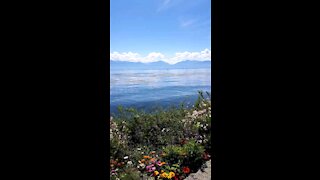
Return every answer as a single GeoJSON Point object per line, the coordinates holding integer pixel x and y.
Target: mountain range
{"type": "Point", "coordinates": [125, 65]}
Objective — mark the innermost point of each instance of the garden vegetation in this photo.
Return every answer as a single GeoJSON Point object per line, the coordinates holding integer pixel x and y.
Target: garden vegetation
{"type": "Point", "coordinates": [164, 144]}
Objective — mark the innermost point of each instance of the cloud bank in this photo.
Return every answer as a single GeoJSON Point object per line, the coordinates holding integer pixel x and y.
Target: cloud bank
{"type": "Point", "coordinates": [204, 55]}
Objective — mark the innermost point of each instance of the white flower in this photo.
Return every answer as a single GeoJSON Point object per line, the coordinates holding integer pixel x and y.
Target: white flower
{"type": "Point", "coordinates": [126, 157]}
{"type": "Point", "coordinates": [141, 166]}
{"type": "Point", "coordinates": [129, 163]}
{"type": "Point", "coordinates": [139, 149]}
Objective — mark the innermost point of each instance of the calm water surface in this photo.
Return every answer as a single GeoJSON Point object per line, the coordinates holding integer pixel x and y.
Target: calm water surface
{"type": "Point", "coordinates": [147, 88]}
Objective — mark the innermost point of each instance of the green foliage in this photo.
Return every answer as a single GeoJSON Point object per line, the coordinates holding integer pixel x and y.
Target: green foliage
{"type": "Point", "coordinates": [153, 129]}
{"type": "Point", "coordinates": [183, 135]}
{"type": "Point", "coordinates": [174, 154]}
{"type": "Point", "coordinates": [130, 174]}
{"type": "Point", "coordinates": [193, 158]}
{"type": "Point", "coordinates": [187, 155]}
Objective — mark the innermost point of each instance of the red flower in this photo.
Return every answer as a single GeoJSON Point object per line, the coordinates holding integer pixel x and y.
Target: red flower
{"type": "Point", "coordinates": [176, 178]}
{"type": "Point", "coordinates": [186, 170]}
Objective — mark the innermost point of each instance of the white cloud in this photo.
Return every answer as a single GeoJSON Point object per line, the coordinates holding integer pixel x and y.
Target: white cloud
{"type": "Point", "coordinates": [154, 56]}
{"type": "Point", "coordinates": [126, 56]}
{"type": "Point", "coordinates": [204, 55]}
{"type": "Point", "coordinates": [187, 23]}
{"type": "Point", "coordinates": [136, 57]}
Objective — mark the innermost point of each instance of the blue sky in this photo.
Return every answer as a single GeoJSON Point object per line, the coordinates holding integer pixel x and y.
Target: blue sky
{"type": "Point", "coordinates": [151, 30]}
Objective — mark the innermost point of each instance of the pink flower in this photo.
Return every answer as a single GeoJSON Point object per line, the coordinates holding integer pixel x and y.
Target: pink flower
{"type": "Point", "coordinates": [150, 168]}
{"type": "Point", "coordinates": [159, 163]}
{"type": "Point", "coordinates": [113, 172]}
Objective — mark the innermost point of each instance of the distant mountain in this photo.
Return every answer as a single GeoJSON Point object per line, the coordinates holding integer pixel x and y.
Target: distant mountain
{"type": "Point", "coordinates": [193, 64]}
{"type": "Point", "coordinates": [124, 65]}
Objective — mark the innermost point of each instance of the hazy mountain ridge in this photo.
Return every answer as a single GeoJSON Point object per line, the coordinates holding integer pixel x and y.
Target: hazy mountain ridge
{"type": "Point", "coordinates": [125, 65]}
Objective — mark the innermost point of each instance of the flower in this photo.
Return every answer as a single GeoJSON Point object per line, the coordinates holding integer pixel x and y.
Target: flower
{"type": "Point", "coordinates": [155, 173]}
{"type": "Point", "coordinates": [164, 175]}
{"type": "Point", "coordinates": [150, 168]}
{"type": "Point", "coordinates": [171, 175]}
{"type": "Point", "coordinates": [186, 170]}
{"type": "Point", "coordinates": [126, 157]}
{"type": "Point", "coordinates": [129, 162]}
{"type": "Point", "coordinates": [113, 172]}
{"type": "Point", "coordinates": [159, 163]}
{"type": "Point", "coordinates": [147, 157]}
{"type": "Point", "coordinates": [152, 152]}
{"type": "Point", "coordinates": [113, 162]}
{"type": "Point", "coordinates": [141, 166]}
{"type": "Point", "coordinates": [153, 160]}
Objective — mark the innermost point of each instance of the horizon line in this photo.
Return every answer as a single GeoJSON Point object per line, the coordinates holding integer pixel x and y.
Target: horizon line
{"type": "Point", "coordinates": [159, 61]}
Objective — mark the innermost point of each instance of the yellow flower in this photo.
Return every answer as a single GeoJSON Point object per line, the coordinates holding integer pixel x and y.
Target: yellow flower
{"type": "Point", "coordinates": [171, 175]}
{"type": "Point", "coordinates": [162, 171]}
{"type": "Point", "coordinates": [156, 173]}
{"type": "Point", "coordinates": [164, 175]}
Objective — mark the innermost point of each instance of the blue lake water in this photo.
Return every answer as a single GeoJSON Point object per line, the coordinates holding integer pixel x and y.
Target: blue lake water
{"type": "Point", "coordinates": [145, 89]}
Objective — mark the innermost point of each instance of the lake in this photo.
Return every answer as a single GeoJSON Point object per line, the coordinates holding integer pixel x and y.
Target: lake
{"type": "Point", "coordinates": [147, 89]}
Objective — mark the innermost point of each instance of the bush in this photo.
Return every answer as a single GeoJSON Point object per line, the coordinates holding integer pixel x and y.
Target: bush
{"type": "Point", "coordinates": [153, 129]}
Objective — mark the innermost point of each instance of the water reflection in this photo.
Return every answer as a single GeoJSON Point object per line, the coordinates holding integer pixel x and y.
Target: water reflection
{"type": "Point", "coordinates": [130, 87]}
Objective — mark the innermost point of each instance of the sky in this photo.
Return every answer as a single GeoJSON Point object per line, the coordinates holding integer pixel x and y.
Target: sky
{"type": "Point", "coordinates": [153, 30]}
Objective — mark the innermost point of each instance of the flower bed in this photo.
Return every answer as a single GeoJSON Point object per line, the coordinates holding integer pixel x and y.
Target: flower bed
{"type": "Point", "coordinates": [168, 144]}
